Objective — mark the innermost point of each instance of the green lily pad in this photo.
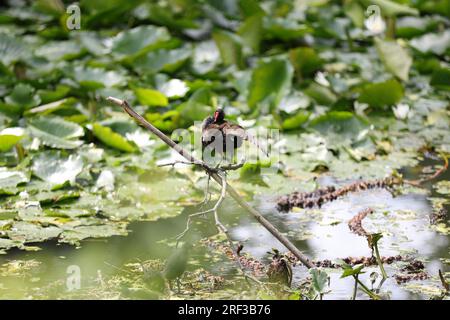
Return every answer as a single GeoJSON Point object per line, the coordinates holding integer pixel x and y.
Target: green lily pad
{"type": "Point", "coordinates": [94, 78]}
{"type": "Point", "coordinates": [377, 95]}
{"type": "Point", "coordinates": [162, 60]}
{"type": "Point", "coordinates": [270, 79]}
{"type": "Point", "coordinates": [150, 97]}
{"type": "Point", "coordinates": [133, 41]}
{"type": "Point", "coordinates": [56, 132]}
{"type": "Point", "coordinates": [57, 169]}
{"type": "Point", "coordinates": [396, 59]}
{"type": "Point", "coordinates": [75, 235]}
{"type": "Point", "coordinates": [9, 137]}
{"type": "Point", "coordinates": [112, 139]}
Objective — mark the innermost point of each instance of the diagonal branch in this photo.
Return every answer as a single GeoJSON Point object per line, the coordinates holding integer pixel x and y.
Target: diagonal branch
{"type": "Point", "coordinates": [231, 191]}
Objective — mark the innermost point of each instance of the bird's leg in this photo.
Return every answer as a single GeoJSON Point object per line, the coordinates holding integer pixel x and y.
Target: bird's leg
{"type": "Point", "coordinates": [178, 285]}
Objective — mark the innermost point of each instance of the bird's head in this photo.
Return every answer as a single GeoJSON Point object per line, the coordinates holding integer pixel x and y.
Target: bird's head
{"type": "Point", "coordinates": [219, 115]}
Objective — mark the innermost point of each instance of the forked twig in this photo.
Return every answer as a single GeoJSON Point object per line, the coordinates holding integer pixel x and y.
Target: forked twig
{"type": "Point", "coordinates": [233, 193]}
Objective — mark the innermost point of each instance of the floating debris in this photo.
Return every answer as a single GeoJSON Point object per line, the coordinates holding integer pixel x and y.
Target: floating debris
{"type": "Point", "coordinates": [320, 196]}
{"type": "Point", "coordinates": [256, 267]}
{"type": "Point", "coordinates": [355, 224]}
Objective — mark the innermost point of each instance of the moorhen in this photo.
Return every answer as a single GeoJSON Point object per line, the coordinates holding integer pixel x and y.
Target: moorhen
{"type": "Point", "coordinates": [216, 128]}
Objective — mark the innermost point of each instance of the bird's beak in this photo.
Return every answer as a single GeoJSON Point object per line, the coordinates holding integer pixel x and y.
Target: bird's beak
{"type": "Point", "coordinates": [216, 115]}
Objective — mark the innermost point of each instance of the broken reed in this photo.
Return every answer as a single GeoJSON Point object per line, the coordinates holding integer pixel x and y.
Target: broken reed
{"type": "Point", "coordinates": [323, 195]}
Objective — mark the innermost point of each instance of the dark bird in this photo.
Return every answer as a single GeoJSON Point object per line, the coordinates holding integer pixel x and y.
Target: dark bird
{"type": "Point", "coordinates": [216, 129]}
{"type": "Point", "coordinates": [176, 264]}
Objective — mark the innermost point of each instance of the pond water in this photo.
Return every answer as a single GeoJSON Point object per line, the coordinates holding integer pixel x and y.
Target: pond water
{"type": "Point", "coordinates": [321, 234]}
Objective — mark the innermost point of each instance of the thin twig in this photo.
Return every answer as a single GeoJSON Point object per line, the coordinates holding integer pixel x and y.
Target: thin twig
{"type": "Point", "coordinates": [233, 193]}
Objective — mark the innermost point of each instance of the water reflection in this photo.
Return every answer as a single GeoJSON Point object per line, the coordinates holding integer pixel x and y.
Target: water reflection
{"type": "Point", "coordinates": [322, 234]}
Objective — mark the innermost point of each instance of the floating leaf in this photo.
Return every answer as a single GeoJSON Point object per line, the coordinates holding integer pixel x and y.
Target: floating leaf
{"type": "Point", "coordinates": [295, 121]}
{"type": "Point", "coordinates": [269, 79]}
{"type": "Point", "coordinates": [162, 60]}
{"type": "Point", "coordinates": [11, 49]}
{"type": "Point", "coordinates": [112, 139]}
{"type": "Point", "coordinates": [283, 29]}
{"type": "Point", "coordinates": [321, 94]}
{"type": "Point", "coordinates": [21, 98]}
{"type": "Point", "coordinates": [10, 179]}
{"type": "Point", "coordinates": [437, 43]}
{"type": "Point", "coordinates": [149, 97]}
{"type": "Point", "coordinates": [9, 137]}
{"type": "Point", "coordinates": [75, 235]}
{"type": "Point", "coordinates": [441, 78]}
{"type": "Point", "coordinates": [56, 132]}
{"type": "Point", "coordinates": [305, 61]}
{"type": "Point", "coordinates": [94, 78]}
{"type": "Point", "coordinates": [31, 232]}
{"type": "Point", "coordinates": [230, 48]}
{"type": "Point", "coordinates": [56, 169]}
{"type": "Point", "coordinates": [395, 58]}
{"type": "Point", "coordinates": [377, 95]}
{"type": "Point", "coordinates": [136, 40]}
{"type": "Point", "coordinates": [251, 32]}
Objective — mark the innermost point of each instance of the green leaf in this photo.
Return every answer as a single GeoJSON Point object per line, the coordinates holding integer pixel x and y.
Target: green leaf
{"type": "Point", "coordinates": [377, 95]}
{"type": "Point", "coordinates": [321, 94]}
{"type": "Point", "coordinates": [10, 178]}
{"type": "Point", "coordinates": [355, 12]}
{"type": "Point", "coordinates": [305, 61]}
{"type": "Point", "coordinates": [251, 32]}
{"type": "Point", "coordinates": [270, 79]}
{"type": "Point", "coordinates": [56, 169]}
{"type": "Point", "coordinates": [149, 97]}
{"type": "Point", "coordinates": [198, 107]}
{"type": "Point", "coordinates": [162, 60]}
{"type": "Point", "coordinates": [251, 172]}
{"type": "Point", "coordinates": [21, 98]}
{"type": "Point", "coordinates": [441, 79]}
{"type": "Point", "coordinates": [395, 58]}
{"type": "Point", "coordinates": [56, 132]}
{"type": "Point", "coordinates": [94, 78]}
{"type": "Point", "coordinates": [12, 49]}
{"type": "Point", "coordinates": [437, 43]}
{"type": "Point", "coordinates": [9, 137]}
{"type": "Point", "coordinates": [230, 48]}
{"type": "Point", "coordinates": [296, 121]}
{"type": "Point", "coordinates": [319, 280]}
{"type": "Point", "coordinates": [166, 122]}
{"type": "Point", "coordinates": [112, 139]}
{"type": "Point", "coordinates": [283, 29]}
{"type": "Point", "coordinates": [134, 41]}
{"type": "Point", "coordinates": [75, 235]}
{"type": "Point", "coordinates": [350, 271]}
{"type": "Point", "coordinates": [59, 50]}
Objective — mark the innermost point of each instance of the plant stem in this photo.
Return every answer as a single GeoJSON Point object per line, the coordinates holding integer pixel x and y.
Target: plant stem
{"type": "Point", "coordinates": [367, 290]}
{"type": "Point", "coordinates": [380, 263]}
{"type": "Point", "coordinates": [355, 288]}
{"type": "Point", "coordinates": [231, 191]}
